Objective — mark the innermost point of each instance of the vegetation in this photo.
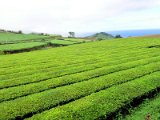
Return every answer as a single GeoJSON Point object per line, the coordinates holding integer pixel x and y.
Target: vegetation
{"type": "Point", "coordinates": [82, 81]}
{"type": "Point", "coordinates": [78, 40]}
{"type": "Point", "coordinates": [13, 42]}
{"type": "Point", "coordinates": [150, 109]}
{"type": "Point", "coordinates": [101, 36]}
{"type": "Point", "coordinates": [8, 37]}
{"type": "Point", "coordinates": [71, 34]}
{"type": "Point", "coordinates": [62, 42]}
{"type": "Point", "coordinates": [20, 46]}
{"type": "Point", "coordinates": [118, 36]}
{"type": "Point", "coordinates": [103, 102]}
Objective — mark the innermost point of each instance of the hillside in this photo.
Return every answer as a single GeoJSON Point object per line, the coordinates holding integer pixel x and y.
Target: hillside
{"type": "Point", "coordinates": [94, 80]}
{"type": "Point", "coordinates": [101, 36]}
{"type": "Point", "coordinates": [8, 37]}
{"type": "Point", "coordinates": [12, 42]}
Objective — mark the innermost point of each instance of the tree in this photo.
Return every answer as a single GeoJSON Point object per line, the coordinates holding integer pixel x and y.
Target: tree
{"type": "Point", "coordinates": [118, 36]}
{"type": "Point", "coordinates": [19, 32]}
{"type": "Point", "coordinates": [71, 34]}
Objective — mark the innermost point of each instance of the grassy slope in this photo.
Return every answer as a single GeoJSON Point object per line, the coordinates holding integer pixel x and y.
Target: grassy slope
{"type": "Point", "coordinates": [62, 42]}
{"type": "Point", "coordinates": [29, 41]}
{"type": "Point", "coordinates": [76, 40]}
{"type": "Point", "coordinates": [69, 41]}
{"type": "Point", "coordinates": [12, 37]}
{"type": "Point", "coordinates": [30, 81]}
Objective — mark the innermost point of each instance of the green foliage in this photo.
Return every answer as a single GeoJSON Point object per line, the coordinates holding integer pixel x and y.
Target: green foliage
{"type": "Point", "coordinates": [20, 32]}
{"type": "Point", "coordinates": [83, 81]}
{"type": "Point", "coordinates": [62, 42]}
{"type": "Point", "coordinates": [1, 52]}
{"type": "Point", "coordinates": [103, 102]}
{"type": "Point", "coordinates": [149, 107]}
{"type": "Point", "coordinates": [102, 36]}
{"type": "Point", "coordinates": [13, 41]}
{"type": "Point", "coordinates": [19, 46]}
{"type": "Point", "coordinates": [51, 83]}
{"type": "Point", "coordinates": [7, 37]}
{"type": "Point", "coordinates": [71, 34]}
{"type": "Point", "coordinates": [68, 41]}
{"type": "Point", "coordinates": [118, 36]}
{"type": "Point", "coordinates": [78, 40]}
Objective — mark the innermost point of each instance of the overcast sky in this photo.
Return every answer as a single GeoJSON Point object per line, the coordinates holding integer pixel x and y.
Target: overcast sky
{"type": "Point", "coordinates": [80, 16]}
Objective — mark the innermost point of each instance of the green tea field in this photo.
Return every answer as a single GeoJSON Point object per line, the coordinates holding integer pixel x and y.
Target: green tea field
{"type": "Point", "coordinates": [16, 43]}
{"type": "Point", "coordinates": [110, 79]}
{"type": "Point", "coordinates": [7, 37]}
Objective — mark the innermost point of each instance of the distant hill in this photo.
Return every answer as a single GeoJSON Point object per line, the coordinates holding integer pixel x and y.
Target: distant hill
{"type": "Point", "coordinates": [101, 36]}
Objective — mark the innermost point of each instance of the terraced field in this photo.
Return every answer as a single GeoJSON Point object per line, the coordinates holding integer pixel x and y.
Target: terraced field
{"type": "Point", "coordinates": [69, 41]}
{"type": "Point", "coordinates": [62, 42]}
{"type": "Point", "coordinates": [15, 43]}
{"type": "Point", "coordinates": [7, 37]}
{"type": "Point", "coordinates": [84, 81]}
{"type": "Point", "coordinates": [21, 46]}
{"type": "Point", "coordinates": [76, 40]}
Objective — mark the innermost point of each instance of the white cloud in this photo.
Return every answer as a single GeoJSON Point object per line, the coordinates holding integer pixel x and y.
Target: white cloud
{"type": "Point", "coordinates": [61, 16]}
